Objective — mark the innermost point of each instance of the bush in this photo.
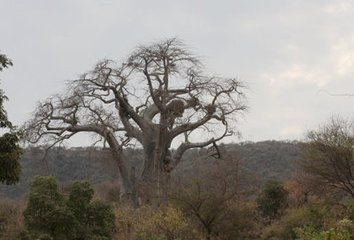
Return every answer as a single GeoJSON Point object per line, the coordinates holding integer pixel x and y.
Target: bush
{"type": "Point", "coordinates": [148, 223]}
{"type": "Point", "coordinates": [273, 199]}
{"type": "Point", "coordinates": [344, 230]}
{"type": "Point", "coordinates": [126, 221]}
{"type": "Point", "coordinates": [166, 223]}
{"type": "Point", "coordinates": [46, 211]}
{"type": "Point", "coordinates": [285, 228]}
{"type": "Point", "coordinates": [49, 215]}
{"type": "Point", "coordinates": [239, 222]}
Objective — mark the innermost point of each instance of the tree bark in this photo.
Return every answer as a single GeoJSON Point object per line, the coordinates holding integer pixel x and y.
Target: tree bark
{"type": "Point", "coordinates": [154, 179]}
{"type": "Point", "coordinates": [127, 173]}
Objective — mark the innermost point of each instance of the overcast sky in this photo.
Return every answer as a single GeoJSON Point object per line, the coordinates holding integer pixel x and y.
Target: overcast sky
{"type": "Point", "coordinates": [290, 53]}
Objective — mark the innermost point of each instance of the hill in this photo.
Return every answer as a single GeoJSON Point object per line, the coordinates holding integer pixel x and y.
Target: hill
{"type": "Point", "coordinates": [265, 159]}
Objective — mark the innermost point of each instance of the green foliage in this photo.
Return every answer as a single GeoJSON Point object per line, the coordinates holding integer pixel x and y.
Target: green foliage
{"type": "Point", "coordinates": [344, 230]}
{"type": "Point", "coordinates": [4, 121]}
{"type": "Point", "coordinates": [4, 62]}
{"type": "Point", "coordinates": [350, 211]}
{"type": "Point", "coordinates": [79, 199]}
{"type": "Point", "coordinates": [10, 151]}
{"type": "Point", "coordinates": [48, 212]}
{"type": "Point", "coordinates": [272, 199]}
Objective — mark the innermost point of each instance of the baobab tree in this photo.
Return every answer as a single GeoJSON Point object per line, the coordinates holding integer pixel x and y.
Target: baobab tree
{"type": "Point", "coordinates": [158, 97]}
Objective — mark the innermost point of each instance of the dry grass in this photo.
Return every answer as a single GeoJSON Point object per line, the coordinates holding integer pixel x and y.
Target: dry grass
{"type": "Point", "coordinates": [107, 191]}
{"type": "Point", "coordinates": [11, 218]}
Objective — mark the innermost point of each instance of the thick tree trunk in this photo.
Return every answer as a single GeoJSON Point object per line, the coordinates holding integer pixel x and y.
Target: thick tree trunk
{"type": "Point", "coordinates": [127, 173]}
{"type": "Point", "coordinates": [154, 180]}
{"type": "Point", "coordinates": [127, 177]}
{"type": "Point", "coordinates": [151, 186]}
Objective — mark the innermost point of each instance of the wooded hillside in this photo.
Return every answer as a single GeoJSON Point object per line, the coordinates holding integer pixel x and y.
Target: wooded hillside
{"type": "Point", "coordinates": [263, 159]}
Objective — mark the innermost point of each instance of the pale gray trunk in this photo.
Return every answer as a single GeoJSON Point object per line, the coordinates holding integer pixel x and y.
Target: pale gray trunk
{"type": "Point", "coordinates": [154, 177]}
{"type": "Point", "coordinates": [127, 173]}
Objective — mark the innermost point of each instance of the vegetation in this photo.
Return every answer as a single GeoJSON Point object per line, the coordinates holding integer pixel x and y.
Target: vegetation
{"type": "Point", "coordinates": [50, 214]}
{"type": "Point", "coordinates": [328, 155]}
{"type": "Point", "coordinates": [5, 62]}
{"type": "Point", "coordinates": [209, 199]}
{"type": "Point", "coordinates": [198, 191]}
{"type": "Point", "coordinates": [10, 151]}
{"type": "Point", "coordinates": [259, 160]}
{"type": "Point", "coordinates": [272, 199]}
{"type": "Point", "coordinates": [11, 219]}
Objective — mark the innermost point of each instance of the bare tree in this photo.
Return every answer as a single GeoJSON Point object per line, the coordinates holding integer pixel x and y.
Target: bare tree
{"type": "Point", "coordinates": [328, 155]}
{"type": "Point", "coordinates": [210, 196]}
{"type": "Point", "coordinates": [158, 97]}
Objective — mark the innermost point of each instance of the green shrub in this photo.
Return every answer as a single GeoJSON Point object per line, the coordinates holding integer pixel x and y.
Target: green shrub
{"type": "Point", "coordinates": [49, 215]}
{"type": "Point", "coordinates": [46, 211]}
{"type": "Point", "coordinates": [344, 230]}
{"type": "Point", "coordinates": [272, 199]}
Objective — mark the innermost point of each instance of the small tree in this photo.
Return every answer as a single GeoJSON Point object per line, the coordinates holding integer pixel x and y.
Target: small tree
{"type": "Point", "coordinates": [93, 218]}
{"type": "Point", "coordinates": [272, 199]}
{"type": "Point", "coordinates": [10, 151]}
{"type": "Point", "coordinates": [46, 211]}
{"type": "Point", "coordinates": [328, 155]}
{"type": "Point", "coordinates": [50, 214]}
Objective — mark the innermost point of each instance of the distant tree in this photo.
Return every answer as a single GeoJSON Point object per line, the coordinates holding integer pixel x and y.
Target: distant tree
{"type": "Point", "coordinates": [272, 199]}
{"type": "Point", "coordinates": [158, 96]}
{"type": "Point", "coordinates": [50, 214]}
{"type": "Point", "coordinates": [10, 151]}
{"type": "Point", "coordinates": [328, 155]}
